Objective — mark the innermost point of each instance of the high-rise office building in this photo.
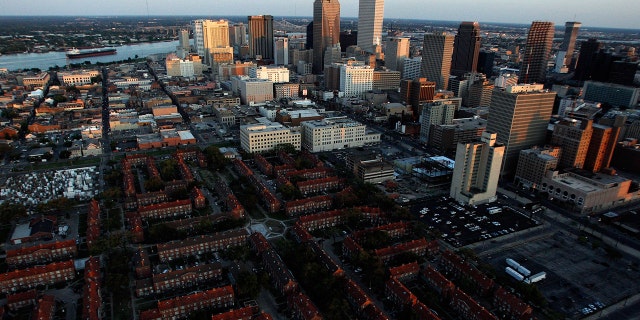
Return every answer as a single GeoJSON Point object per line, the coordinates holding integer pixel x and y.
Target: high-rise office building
{"type": "Point", "coordinates": [238, 34]}
{"type": "Point", "coordinates": [603, 143]}
{"type": "Point", "coordinates": [411, 67]}
{"type": "Point", "coordinates": [417, 91]}
{"type": "Point", "coordinates": [209, 35]}
{"type": "Point", "coordinates": [355, 79]}
{"type": "Point", "coordinates": [183, 39]}
{"type": "Point", "coordinates": [261, 36]}
{"type": "Point", "coordinates": [520, 116]}
{"type": "Point", "coordinates": [396, 51]}
{"type": "Point", "coordinates": [466, 48]}
{"type": "Point", "coordinates": [477, 170]}
{"type": "Point", "coordinates": [573, 136]}
{"type": "Point", "coordinates": [183, 47]}
{"type": "Point", "coordinates": [536, 52]}
{"type": "Point", "coordinates": [435, 113]}
{"type": "Point", "coordinates": [585, 64]}
{"type": "Point", "coordinates": [326, 30]}
{"type": "Point", "coordinates": [533, 165]}
{"type": "Point", "coordinates": [485, 62]}
{"type": "Point", "coordinates": [370, 16]}
{"type": "Point", "coordinates": [436, 58]}
{"type": "Point", "coordinates": [564, 57]}
{"type": "Point", "coordinates": [281, 54]}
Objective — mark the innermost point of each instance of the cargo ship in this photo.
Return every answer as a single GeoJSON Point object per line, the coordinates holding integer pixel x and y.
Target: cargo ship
{"type": "Point", "coordinates": [76, 53]}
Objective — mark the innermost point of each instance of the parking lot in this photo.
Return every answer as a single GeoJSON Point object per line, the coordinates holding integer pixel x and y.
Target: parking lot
{"type": "Point", "coordinates": [582, 278]}
{"type": "Point", "coordinates": [460, 225]}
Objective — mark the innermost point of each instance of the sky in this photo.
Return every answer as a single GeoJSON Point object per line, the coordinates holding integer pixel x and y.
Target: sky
{"type": "Point", "coordinates": [592, 13]}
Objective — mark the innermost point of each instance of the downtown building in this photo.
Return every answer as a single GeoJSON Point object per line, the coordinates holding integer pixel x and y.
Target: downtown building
{"type": "Point", "coordinates": [564, 57]}
{"type": "Point", "coordinates": [267, 135]}
{"type": "Point", "coordinates": [355, 79]}
{"type": "Point", "coordinates": [396, 51]}
{"type": "Point", "coordinates": [477, 170]}
{"type": "Point", "coordinates": [370, 17]}
{"type": "Point", "coordinates": [326, 30]}
{"type": "Point", "coordinates": [520, 116]}
{"type": "Point", "coordinates": [438, 112]}
{"type": "Point", "coordinates": [436, 58]}
{"type": "Point", "coordinates": [466, 48]}
{"type": "Point", "coordinates": [336, 133]}
{"type": "Point", "coordinates": [271, 73]}
{"type": "Point", "coordinates": [537, 52]}
{"type": "Point", "coordinates": [261, 37]}
{"type": "Point", "coordinates": [211, 38]}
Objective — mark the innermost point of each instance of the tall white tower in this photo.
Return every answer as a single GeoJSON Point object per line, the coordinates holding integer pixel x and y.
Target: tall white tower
{"type": "Point", "coordinates": [370, 16]}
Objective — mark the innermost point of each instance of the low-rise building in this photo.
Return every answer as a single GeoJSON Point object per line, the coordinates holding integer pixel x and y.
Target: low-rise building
{"type": "Point", "coordinates": [42, 253]}
{"type": "Point", "coordinates": [30, 278]}
{"type": "Point", "coordinates": [201, 244]}
{"type": "Point", "coordinates": [533, 165]}
{"type": "Point", "coordinates": [166, 210]}
{"type": "Point", "coordinates": [183, 306]}
{"type": "Point", "coordinates": [588, 193]}
{"type": "Point", "coordinates": [267, 135]}
{"type": "Point", "coordinates": [336, 133]}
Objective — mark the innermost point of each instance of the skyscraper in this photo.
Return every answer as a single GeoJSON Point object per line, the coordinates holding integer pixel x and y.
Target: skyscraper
{"type": "Point", "coordinates": [436, 58]}
{"type": "Point", "coordinates": [281, 54]}
{"type": "Point", "coordinates": [209, 35]}
{"type": "Point", "coordinates": [326, 30]}
{"type": "Point", "coordinates": [238, 34]}
{"type": "Point", "coordinates": [520, 116]}
{"type": "Point", "coordinates": [261, 36]}
{"type": "Point", "coordinates": [396, 51]}
{"type": "Point", "coordinates": [536, 53]}
{"type": "Point", "coordinates": [603, 143]}
{"type": "Point", "coordinates": [466, 48]}
{"type": "Point", "coordinates": [477, 170]}
{"type": "Point", "coordinates": [183, 47]}
{"type": "Point", "coordinates": [585, 65]}
{"type": "Point", "coordinates": [183, 39]}
{"type": "Point", "coordinates": [370, 16]}
{"type": "Point", "coordinates": [565, 53]}
{"type": "Point", "coordinates": [573, 136]}
{"type": "Point", "coordinates": [435, 113]}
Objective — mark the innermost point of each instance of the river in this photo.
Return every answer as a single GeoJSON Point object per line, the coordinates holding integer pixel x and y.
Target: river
{"type": "Point", "coordinates": [44, 61]}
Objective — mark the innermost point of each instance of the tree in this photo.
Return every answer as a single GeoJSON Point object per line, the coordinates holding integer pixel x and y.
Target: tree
{"type": "Point", "coordinates": [169, 169]}
{"type": "Point", "coordinates": [154, 184]}
{"type": "Point", "coordinates": [215, 158]}
{"type": "Point", "coordinates": [162, 233]}
{"type": "Point", "coordinates": [10, 211]}
{"type": "Point", "coordinates": [248, 284]}
{"type": "Point", "coordinates": [65, 154]}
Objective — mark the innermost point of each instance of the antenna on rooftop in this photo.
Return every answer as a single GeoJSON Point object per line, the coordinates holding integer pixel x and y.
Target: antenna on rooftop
{"type": "Point", "coordinates": [147, 2]}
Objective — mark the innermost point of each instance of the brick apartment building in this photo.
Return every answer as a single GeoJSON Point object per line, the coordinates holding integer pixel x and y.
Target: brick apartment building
{"type": "Point", "coordinates": [30, 278]}
{"type": "Point", "coordinates": [181, 307]}
{"type": "Point", "coordinates": [308, 205]}
{"type": "Point", "coordinates": [42, 253]}
{"type": "Point", "coordinates": [179, 279]}
{"type": "Point", "coordinates": [419, 247]}
{"type": "Point", "coordinates": [302, 307]}
{"type": "Point", "coordinates": [166, 210]}
{"type": "Point", "coordinates": [93, 223]}
{"type": "Point", "coordinates": [405, 272]}
{"type": "Point", "coordinates": [201, 244]}
{"type": "Point", "coordinates": [92, 306]}
{"type": "Point", "coordinates": [21, 299]}
{"type": "Point", "coordinates": [452, 263]}
{"type": "Point", "coordinates": [315, 186]}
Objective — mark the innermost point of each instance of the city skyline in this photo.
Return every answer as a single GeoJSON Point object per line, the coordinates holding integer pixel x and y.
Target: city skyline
{"type": "Point", "coordinates": [619, 13]}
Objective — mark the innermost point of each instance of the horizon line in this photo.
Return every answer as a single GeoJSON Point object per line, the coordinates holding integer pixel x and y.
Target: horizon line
{"type": "Point", "coordinates": [556, 25]}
